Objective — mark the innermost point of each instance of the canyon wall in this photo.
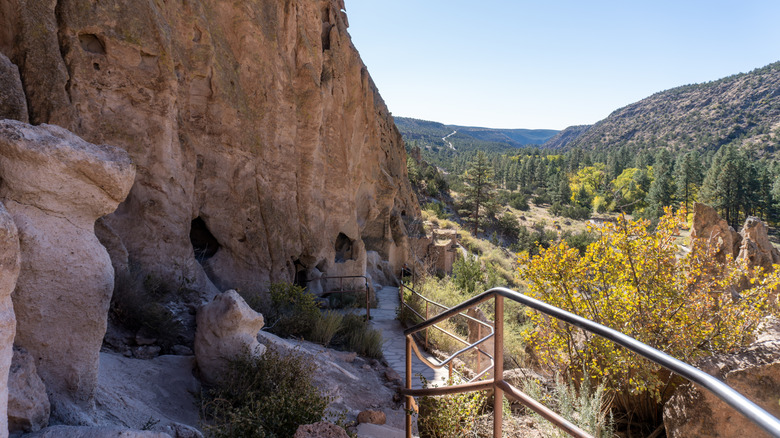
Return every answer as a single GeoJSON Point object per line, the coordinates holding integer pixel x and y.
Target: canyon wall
{"type": "Point", "coordinates": [263, 149]}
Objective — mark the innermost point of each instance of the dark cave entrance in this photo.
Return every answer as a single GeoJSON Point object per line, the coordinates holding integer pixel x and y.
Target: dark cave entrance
{"type": "Point", "coordinates": [204, 244]}
{"type": "Point", "coordinates": [343, 248]}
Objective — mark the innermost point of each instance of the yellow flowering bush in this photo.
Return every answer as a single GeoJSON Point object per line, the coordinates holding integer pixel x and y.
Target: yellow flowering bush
{"type": "Point", "coordinates": [636, 281]}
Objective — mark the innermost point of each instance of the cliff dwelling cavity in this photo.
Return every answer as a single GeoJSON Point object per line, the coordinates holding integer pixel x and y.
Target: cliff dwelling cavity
{"type": "Point", "coordinates": [204, 244]}
{"type": "Point", "coordinates": [92, 44]}
{"type": "Point", "coordinates": [344, 247]}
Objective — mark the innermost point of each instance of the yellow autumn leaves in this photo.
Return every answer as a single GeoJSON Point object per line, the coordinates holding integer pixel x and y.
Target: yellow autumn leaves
{"type": "Point", "coordinates": [640, 282]}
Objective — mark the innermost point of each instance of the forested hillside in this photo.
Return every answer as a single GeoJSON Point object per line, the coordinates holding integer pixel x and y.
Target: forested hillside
{"type": "Point", "coordinates": [743, 109]}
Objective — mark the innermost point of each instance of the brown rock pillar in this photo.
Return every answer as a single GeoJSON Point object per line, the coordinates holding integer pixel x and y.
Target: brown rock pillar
{"type": "Point", "coordinates": [55, 186]}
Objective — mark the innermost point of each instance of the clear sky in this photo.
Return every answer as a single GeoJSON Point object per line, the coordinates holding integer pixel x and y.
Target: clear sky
{"type": "Point", "coordinates": [552, 64]}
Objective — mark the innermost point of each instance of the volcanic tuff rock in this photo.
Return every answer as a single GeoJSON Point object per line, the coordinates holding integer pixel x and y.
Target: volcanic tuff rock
{"type": "Point", "coordinates": [258, 134]}
{"type": "Point", "coordinates": [12, 103]}
{"type": "Point", "coordinates": [754, 372]}
{"type": "Point", "coordinates": [708, 228]}
{"type": "Point", "coordinates": [55, 185]}
{"type": "Point", "coordinates": [9, 271]}
{"type": "Point", "coordinates": [28, 404]}
{"type": "Point", "coordinates": [227, 328]}
{"type": "Point", "coordinates": [756, 247]}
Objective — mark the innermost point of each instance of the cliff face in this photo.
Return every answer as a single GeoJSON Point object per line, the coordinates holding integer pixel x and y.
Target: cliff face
{"type": "Point", "coordinates": [263, 149]}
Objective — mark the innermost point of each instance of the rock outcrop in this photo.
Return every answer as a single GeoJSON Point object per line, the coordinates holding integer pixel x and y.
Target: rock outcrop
{"type": "Point", "coordinates": [323, 429]}
{"type": "Point", "coordinates": [28, 404]}
{"type": "Point", "coordinates": [755, 247]}
{"type": "Point", "coordinates": [9, 271]}
{"type": "Point", "coordinates": [709, 229]}
{"type": "Point", "coordinates": [754, 372]}
{"type": "Point", "coordinates": [12, 101]}
{"type": "Point", "coordinates": [227, 327]}
{"type": "Point", "coordinates": [55, 185]}
{"type": "Point", "coordinates": [259, 135]}
{"type": "Point", "coordinates": [95, 432]}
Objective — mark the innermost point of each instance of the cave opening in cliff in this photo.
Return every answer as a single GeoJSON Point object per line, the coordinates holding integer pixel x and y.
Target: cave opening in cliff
{"type": "Point", "coordinates": [343, 248]}
{"type": "Point", "coordinates": [204, 244]}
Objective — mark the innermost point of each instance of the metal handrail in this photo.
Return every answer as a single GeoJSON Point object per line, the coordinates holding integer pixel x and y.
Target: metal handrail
{"type": "Point", "coordinates": [736, 400]}
{"type": "Point", "coordinates": [468, 346]}
{"type": "Point", "coordinates": [341, 290]}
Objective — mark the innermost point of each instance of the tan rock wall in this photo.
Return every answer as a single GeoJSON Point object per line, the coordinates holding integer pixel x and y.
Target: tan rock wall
{"type": "Point", "coordinates": [258, 117]}
{"type": "Point", "coordinates": [9, 271]}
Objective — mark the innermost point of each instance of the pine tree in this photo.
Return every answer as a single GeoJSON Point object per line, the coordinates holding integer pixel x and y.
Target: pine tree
{"type": "Point", "coordinates": [661, 191]}
{"type": "Point", "coordinates": [687, 177]}
{"type": "Point", "coordinates": [479, 190]}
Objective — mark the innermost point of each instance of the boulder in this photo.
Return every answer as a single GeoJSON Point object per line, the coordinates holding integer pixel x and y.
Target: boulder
{"type": "Point", "coordinates": [55, 186]}
{"type": "Point", "coordinates": [95, 432]}
{"type": "Point", "coordinates": [709, 229]}
{"type": "Point", "coordinates": [13, 104]}
{"type": "Point", "coordinates": [9, 271]}
{"type": "Point", "coordinates": [756, 248]}
{"type": "Point", "coordinates": [371, 417]}
{"type": "Point", "coordinates": [28, 404]}
{"type": "Point", "coordinates": [323, 429]}
{"type": "Point", "coordinates": [754, 372]}
{"type": "Point", "coordinates": [226, 327]}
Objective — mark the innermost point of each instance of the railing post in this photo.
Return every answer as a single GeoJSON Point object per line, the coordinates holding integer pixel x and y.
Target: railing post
{"type": "Point", "coordinates": [408, 386]}
{"type": "Point", "coordinates": [479, 355]}
{"type": "Point", "coordinates": [498, 368]}
{"type": "Point", "coordinates": [450, 378]}
{"type": "Point", "coordinates": [427, 317]}
{"type": "Point", "coordinates": [368, 304]}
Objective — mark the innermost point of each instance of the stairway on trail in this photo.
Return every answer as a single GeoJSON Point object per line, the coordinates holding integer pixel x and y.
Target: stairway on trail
{"type": "Point", "coordinates": [383, 318]}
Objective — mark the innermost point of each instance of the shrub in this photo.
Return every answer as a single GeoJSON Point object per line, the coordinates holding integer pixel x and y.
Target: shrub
{"type": "Point", "coordinates": [138, 304]}
{"type": "Point", "coordinates": [519, 201]}
{"type": "Point", "coordinates": [325, 327]}
{"type": "Point", "coordinates": [631, 280]}
{"type": "Point", "coordinates": [292, 311]}
{"type": "Point", "coordinates": [449, 415]}
{"type": "Point", "coordinates": [269, 396]}
{"type": "Point", "coordinates": [356, 335]}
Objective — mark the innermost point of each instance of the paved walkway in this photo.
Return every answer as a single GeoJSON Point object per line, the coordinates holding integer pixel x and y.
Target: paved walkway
{"type": "Point", "coordinates": [384, 319]}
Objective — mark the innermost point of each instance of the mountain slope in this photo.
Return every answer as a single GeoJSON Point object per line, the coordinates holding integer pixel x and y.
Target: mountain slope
{"type": "Point", "coordinates": [744, 108]}
{"type": "Point", "coordinates": [563, 138]}
{"type": "Point", "coordinates": [431, 133]}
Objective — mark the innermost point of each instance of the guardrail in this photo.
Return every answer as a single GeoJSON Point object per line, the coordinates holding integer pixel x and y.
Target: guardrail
{"type": "Point", "coordinates": [736, 400]}
{"type": "Point", "coordinates": [468, 346]}
{"type": "Point", "coordinates": [341, 290]}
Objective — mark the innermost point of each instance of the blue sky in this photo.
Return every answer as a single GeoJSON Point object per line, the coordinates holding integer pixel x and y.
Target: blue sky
{"type": "Point", "coordinates": [552, 64]}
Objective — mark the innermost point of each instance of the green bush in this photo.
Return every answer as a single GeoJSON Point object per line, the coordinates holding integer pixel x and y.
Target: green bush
{"type": "Point", "coordinates": [449, 415]}
{"type": "Point", "coordinates": [356, 335]}
{"type": "Point", "coordinates": [269, 396]}
{"type": "Point", "coordinates": [325, 327]}
{"type": "Point", "coordinates": [293, 311]}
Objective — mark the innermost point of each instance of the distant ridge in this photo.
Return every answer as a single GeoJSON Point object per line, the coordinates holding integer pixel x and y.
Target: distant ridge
{"type": "Point", "coordinates": [431, 133]}
{"type": "Point", "coordinates": [565, 137]}
{"type": "Point", "coordinates": [742, 109]}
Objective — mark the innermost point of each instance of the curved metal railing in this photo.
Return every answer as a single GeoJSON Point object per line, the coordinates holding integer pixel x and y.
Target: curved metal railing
{"type": "Point", "coordinates": [736, 400]}
{"type": "Point", "coordinates": [468, 346]}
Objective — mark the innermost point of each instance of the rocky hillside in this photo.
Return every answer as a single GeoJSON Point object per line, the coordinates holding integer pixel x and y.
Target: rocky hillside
{"type": "Point", "coordinates": [565, 137]}
{"type": "Point", "coordinates": [261, 144]}
{"type": "Point", "coordinates": [744, 108]}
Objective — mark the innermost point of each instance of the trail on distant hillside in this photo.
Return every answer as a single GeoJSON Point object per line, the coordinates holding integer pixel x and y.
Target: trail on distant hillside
{"type": "Point", "coordinates": [448, 143]}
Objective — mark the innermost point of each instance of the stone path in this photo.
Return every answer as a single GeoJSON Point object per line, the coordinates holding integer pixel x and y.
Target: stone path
{"type": "Point", "coordinates": [383, 318]}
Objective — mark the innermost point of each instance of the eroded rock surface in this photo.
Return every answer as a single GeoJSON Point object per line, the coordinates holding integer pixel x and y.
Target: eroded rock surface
{"type": "Point", "coordinates": [756, 247]}
{"type": "Point", "coordinates": [55, 185]}
{"type": "Point", "coordinates": [227, 328]}
{"type": "Point", "coordinates": [28, 404]}
{"type": "Point", "coordinates": [9, 271]}
{"type": "Point", "coordinates": [754, 372]}
{"type": "Point", "coordinates": [95, 432]}
{"type": "Point", "coordinates": [259, 135]}
{"type": "Point", "coordinates": [322, 429]}
{"type": "Point", "coordinates": [708, 228]}
{"type": "Point", "coordinates": [12, 101]}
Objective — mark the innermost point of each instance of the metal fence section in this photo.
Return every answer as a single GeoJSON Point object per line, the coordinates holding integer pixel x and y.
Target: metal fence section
{"type": "Point", "coordinates": [736, 400]}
